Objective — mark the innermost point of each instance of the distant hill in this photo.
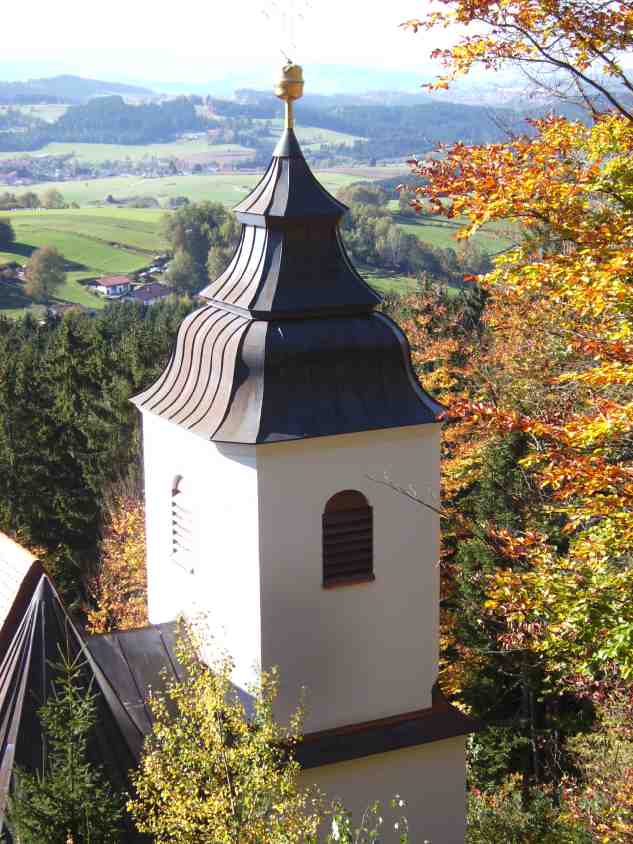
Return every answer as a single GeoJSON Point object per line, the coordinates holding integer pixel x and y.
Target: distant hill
{"type": "Point", "coordinates": [66, 89]}
{"type": "Point", "coordinates": [110, 120]}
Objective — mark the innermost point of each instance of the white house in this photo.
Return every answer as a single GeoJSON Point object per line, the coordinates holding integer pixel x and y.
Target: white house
{"type": "Point", "coordinates": [272, 443]}
{"type": "Point", "coordinates": [113, 286]}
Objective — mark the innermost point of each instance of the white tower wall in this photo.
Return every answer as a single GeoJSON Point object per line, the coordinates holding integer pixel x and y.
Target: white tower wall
{"type": "Point", "coordinates": [368, 650]}
{"type": "Point", "coordinates": [221, 488]}
{"type": "Point", "coordinates": [431, 778]}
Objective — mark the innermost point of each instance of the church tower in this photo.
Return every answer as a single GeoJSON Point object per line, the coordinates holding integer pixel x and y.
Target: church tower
{"type": "Point", "coordinates": [288, 402]}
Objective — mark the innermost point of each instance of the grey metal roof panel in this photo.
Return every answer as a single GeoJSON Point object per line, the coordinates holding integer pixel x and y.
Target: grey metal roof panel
{"type": "Point", "coordinates": [136, 662]}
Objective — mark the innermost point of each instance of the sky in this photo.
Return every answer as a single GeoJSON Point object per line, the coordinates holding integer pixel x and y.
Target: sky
{"type": "Point", "coordinates": [185, 40]}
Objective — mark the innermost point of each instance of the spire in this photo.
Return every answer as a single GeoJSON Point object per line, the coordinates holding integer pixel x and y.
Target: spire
{"type": "Point", "coordinates": [290, 261]}
{"type": "Point", "coordinates": [289, 346]}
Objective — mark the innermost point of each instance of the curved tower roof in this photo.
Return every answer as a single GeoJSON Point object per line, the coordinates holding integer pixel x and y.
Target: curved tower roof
{"type": "Point", "coordinates": [290, 345]}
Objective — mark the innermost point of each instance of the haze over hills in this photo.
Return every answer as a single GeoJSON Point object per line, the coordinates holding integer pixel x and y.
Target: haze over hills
{"type": "Point", "coordinates": [67, 88]}
{"type": "Point", "coordinates": [386, 86]}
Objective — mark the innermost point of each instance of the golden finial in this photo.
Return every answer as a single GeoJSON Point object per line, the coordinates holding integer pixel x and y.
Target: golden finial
{"type": "Point", "coordinates": [289, 88]}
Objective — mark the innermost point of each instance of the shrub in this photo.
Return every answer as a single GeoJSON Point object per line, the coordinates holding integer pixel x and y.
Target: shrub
{"type": "Point", "coordinates": [500, 817]}
{"type": "Point", "coordinates": [211, 771]}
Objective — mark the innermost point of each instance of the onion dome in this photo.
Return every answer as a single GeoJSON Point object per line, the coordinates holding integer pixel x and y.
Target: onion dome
{"type": "Point", "coordinates": [289, 345]}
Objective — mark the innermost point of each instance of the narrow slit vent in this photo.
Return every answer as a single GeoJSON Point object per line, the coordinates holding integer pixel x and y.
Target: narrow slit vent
{"type": "Point", "coordinates": [181, 526]}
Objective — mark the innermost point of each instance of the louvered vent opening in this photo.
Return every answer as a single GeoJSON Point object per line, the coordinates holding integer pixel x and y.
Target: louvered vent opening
{"type": "Point", "coordinates": [348, 539]}
{"type": "Point", "coordinates": [181, 526]}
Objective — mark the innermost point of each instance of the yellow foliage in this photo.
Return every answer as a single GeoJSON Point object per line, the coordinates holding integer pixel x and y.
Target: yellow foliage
{"type": "Point", "coordinates": [119, 587]}
{"type": "Point", "coordinates": [211, 771]}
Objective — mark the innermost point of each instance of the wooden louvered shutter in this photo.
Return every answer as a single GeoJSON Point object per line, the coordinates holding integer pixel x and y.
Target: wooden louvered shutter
{"type": "Point", "coordinates": [181, 526]}
{"type": "Point", "coordinates": [348, 539]}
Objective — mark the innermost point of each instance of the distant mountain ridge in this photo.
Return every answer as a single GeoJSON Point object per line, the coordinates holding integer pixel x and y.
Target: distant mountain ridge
{"type": "Point", "coordinates": [66, 88]}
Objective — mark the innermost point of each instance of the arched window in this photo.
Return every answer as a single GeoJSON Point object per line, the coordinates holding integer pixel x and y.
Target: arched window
{"type": "Point", "coordinates": [181, 525]}
{"type": "Point", "coordinates": [348, 539]}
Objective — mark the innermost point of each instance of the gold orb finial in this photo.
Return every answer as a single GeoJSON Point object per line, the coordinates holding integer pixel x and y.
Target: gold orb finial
{"type": "Point", "coordinates": [290, 88]}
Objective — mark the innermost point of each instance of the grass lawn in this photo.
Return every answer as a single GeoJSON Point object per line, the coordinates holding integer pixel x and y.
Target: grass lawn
{"type": "Point", "coordinates": [14, 302]}
{"type": "Point", "coordinates": [385, 282]}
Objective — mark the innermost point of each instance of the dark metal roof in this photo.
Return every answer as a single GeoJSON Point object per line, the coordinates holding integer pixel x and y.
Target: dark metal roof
{"type": "Point", "coordinates": [292, 273]}
{"type": "Point", "coordinates": [289, 346]}
{"type": "Point", "coordinates": [36, 631]}
{"type": "Point", "coordinates": [290, 261]}
{"type": "Point", "coordinates": [237, 380]}
{"type": "Point", "coordinates": [136, 662]}
{"type": "Point", "coordinates": [288, 190]}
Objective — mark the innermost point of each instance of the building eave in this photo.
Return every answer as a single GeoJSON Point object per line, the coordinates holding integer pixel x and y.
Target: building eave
{"type": "Point", "coordinates": [439, 722]}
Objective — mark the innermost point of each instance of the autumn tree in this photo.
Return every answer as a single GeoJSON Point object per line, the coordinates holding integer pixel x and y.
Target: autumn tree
{"type": "Point", "coordinates": [583, 41]}
{"type": "Point", "coordinates": [538, 471]}
{"type": "Point", "coordinates": [564, 291]}
{"type": "Point", "coordinates": [213, 771]}
{"type": "Point", "coordinates": [45, 273]}
{"type": "Point", "coordinates": [118, 589]}
{"type": "Point", "coordinates": [599, 797]}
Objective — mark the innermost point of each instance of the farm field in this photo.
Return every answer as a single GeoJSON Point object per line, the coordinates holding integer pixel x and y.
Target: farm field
{"type": "Point", "coordinates": [110, 240]}
{"type": "Point", "coordinates": [184, 148]}
{"type": "Point", "coordinates": [227, 188]}
{"type": "Point", "coordinates": [94, 241]}
{"type": "Point", "coordinates": [440, 232]}
{"type": "Point", "coordinates": [311, 137]}
{"type": "Point", "coordinates": [98, 153]}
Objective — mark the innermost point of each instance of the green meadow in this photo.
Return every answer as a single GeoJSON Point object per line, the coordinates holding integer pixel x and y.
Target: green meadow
{"type": "Point", "coordinates": [94, 241]}
{"type": "Point", "coordinates": [441, 232]}
{"type": "Point", "coordinates": [111, 240]}
{"type": "Point", "coordinates": [227, 188]}
{"type": "Point", "coordinates": [98, 153]}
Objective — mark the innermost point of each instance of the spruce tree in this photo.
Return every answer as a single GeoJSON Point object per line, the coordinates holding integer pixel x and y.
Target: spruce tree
{"type": "Point", "coordinates": [71, 798]}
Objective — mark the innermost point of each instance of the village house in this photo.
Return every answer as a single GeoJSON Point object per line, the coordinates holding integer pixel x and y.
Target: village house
{"type": "Point", "coordinates": [149, 293]}
{"type": "Point", "coordinates": [113, 286]}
